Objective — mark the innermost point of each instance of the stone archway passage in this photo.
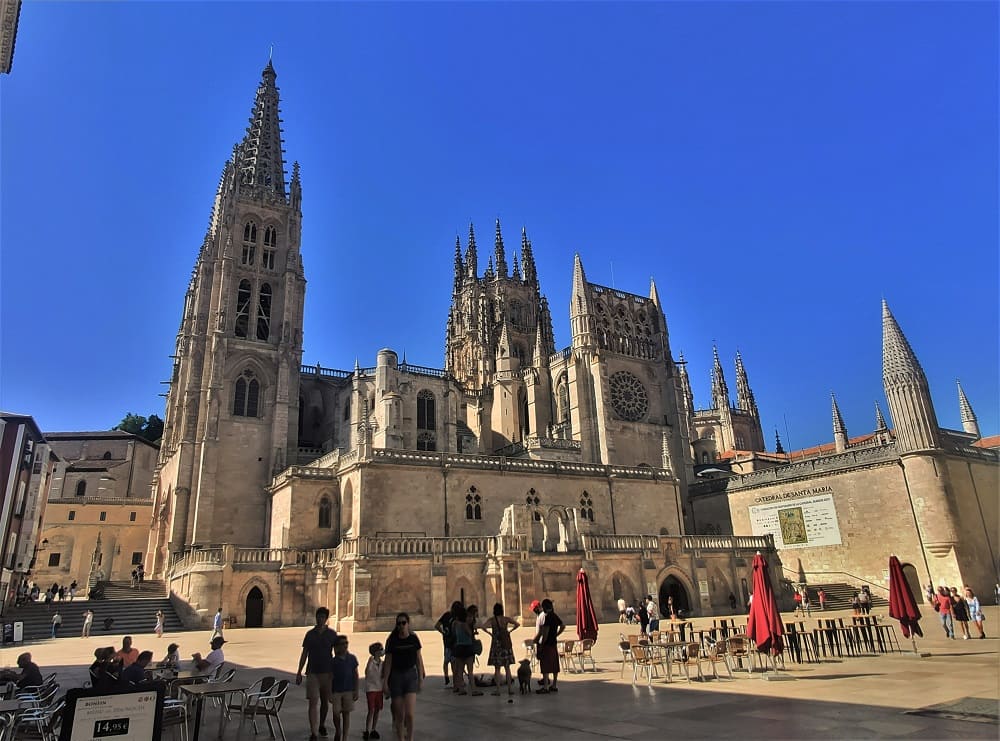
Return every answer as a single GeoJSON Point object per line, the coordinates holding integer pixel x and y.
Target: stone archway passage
{"type": "Point", "coordinates": [255, 609]}
{"type": "Point", "coordinates": [673, 588]}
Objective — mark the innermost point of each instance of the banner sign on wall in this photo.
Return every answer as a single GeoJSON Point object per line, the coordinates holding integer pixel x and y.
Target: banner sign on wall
{"type": "Point", "coordinates": [797, 521]}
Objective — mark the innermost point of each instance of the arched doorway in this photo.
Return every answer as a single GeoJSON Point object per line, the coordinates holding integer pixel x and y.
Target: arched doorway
{"type": "Point", "coordinates": [672, 587]}
{"type": "Point", "coordinates": [255, 609]}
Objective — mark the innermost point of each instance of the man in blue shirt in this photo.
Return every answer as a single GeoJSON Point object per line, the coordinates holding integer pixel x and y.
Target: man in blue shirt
{"type": "Point", "coordinates": [317, 647]}
{"type": "Point", "coordinates": [345, 686]}
{"type": "Point", "coordinates": [135, 673]}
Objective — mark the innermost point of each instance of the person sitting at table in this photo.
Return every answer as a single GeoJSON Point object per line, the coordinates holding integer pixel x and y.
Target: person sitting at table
{"type": "Point", "coordinates": [215, 657]}
{"type": "Point", "coordinates": [104, 670]}
{"type": "Point", "coordinates": [30, 676]}
{"type": "Point", "coordinates": [173, 658]}
{"type": "Point", "coordinates": [127, 655]}
{"type": "Point", "coordinates": [135, 673]}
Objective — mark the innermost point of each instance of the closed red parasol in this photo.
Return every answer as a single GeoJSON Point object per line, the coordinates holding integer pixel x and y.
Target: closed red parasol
{"type": "Point", "coordinates": [902, 606]}
{"type": "Point", "coordinates": [586, 618]}
{"type": "Point", "coordinates": [764, 625]}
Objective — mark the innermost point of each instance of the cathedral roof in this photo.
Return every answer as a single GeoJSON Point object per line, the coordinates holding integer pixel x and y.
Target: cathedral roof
{"type": "Point", "coordinates": [988, 443]}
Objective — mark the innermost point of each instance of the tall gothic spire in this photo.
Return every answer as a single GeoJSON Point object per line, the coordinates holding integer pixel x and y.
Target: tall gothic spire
{"type": "Point", "coordinates": [720, 392]}
{"type": "Point", "coordinates": [498, 251]}
{"type": "Point", "coordinates": [653, 295]}
{"type": "Point", "coordinates": [471, 259]}
{"type": "Point", "coordinates": [580, 319]}
{"type": "Point", "coordinates": [839, 429]}
{"type": "Point", "coordinates": [880, 425]}
{"type": "Point", "coordinates": [515, 271]}
{"type": "Point", "coordinates": [459, 265]}
{"type": "Point", "coordinates": [259, 161]}
{"type": "Point", "coordinates": [913, 417]}
{"type": "Point", "coordinates": [685, 382]}
{"type": "Point", "coordinates": [969, 422]}
{"type": "Point", "coordinates": [744, 395]}
{"type": "Point", "coordinates": [528, 258]}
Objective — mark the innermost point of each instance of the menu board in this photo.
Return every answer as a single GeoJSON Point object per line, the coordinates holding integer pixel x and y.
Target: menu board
{"type": "Point", "coordinates": [134, 714]}
{"type": "Point", "coordinates": [804, 522]}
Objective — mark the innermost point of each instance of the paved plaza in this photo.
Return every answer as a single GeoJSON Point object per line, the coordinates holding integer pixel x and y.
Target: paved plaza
{"type": "Point", "coordinates": [866, 697]}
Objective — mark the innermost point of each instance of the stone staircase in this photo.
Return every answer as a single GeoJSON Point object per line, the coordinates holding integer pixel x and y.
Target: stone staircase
{"type": "Point", "coordinates": [840, 594]}
{"type": "Point", "coordinates": [133, 610]}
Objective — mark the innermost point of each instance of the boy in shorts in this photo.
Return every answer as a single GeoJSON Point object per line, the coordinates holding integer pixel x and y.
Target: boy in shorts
{"type": "Point", "coordinates": [373, 690]}
{"type": "Point", "coordinates": [345, 686]}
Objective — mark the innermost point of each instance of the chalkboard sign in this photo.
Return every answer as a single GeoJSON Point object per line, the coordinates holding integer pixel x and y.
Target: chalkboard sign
{"type": "Point", "coordinates": [132, 714]}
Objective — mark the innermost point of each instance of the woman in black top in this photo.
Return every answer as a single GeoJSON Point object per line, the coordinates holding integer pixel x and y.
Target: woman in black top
{"type": "Point", "coordinates": [402, 675]}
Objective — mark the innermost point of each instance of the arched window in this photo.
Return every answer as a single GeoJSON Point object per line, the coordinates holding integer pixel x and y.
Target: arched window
{"type": "Point", "coordinates": [81, 488]}
{"type": "Point", "coordinates": [243, 308]}
{"type": "Point", "coordinates": [270, 237]}
{"type": "Point", "coordinates": [246, 395]}
{"type": "Point", "coordinates": [249, 243]}
{"type": "Point", "coordinates": [426, 422]}
{"type": "Point", "coordinates": [522, 403]}
{"type": "Point", "coordinates": [107, 455]}
{"type": "Point", "coordinates": [347, 409]}
{"type": "Point", "coordinates": [264, 312]}
{"type": "Point", "coordinates": [533, 500]}
{"type": "Point", "coordinates": [586, 507]}
{"type": "Point", "coordinates": [473, 505]}
{"type": "Point", "coordinates": [325, 513]}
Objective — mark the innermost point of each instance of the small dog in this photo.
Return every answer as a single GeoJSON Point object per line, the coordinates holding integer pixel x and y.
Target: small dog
{"type": "Point", "coordinates": [524, 676]}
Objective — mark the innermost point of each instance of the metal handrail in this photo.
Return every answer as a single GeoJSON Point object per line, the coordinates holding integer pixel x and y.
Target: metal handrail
{"type": "Point", "coordinates": [796, 572]}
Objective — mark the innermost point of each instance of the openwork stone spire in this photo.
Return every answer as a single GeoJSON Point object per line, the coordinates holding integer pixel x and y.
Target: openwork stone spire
{"type": "Point", "coordinates": [880, 425]}
{"type": "Point", "coordinates": [720, 391]}
{"type": "Point", "coordinates": [744, 395]}
{"type": "Point", "coordinates": [969, 422]}
{"type": "Point", "coordinates": [913, 417]}
{"type": "Point", "coordinates": [259, 156]}
{"type": "Point", "coordinates": [498, 251]}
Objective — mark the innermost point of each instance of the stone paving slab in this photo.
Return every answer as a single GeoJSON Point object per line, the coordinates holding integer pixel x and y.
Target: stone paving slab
{"type": "Point", "coordinates": [862, 697]}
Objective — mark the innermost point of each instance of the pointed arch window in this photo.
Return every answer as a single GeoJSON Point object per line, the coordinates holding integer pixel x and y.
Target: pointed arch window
{"type": "Point", "coordinates": [426, 421]}
{"type": "Point", "coordinates": [243, 308]}
{"type": "Point", "coordinates": [249, 243]}
{"type": "Point", "coordinates": [81, 488]}
{"type": "Point", "coordinates": [325, 513]}
{"type": "Point", "coordinates": [264, 312]}
{"type": "Point", "coordinates": [587, 507]}
{"type": "Point", "coordinates": [473, 505]}
{"type": "Point", "coordinates": [246, 395]}
{"type": "Point", "coordinates": [270, 241]}
{"type": "Point", "coordinates": [347, 409]}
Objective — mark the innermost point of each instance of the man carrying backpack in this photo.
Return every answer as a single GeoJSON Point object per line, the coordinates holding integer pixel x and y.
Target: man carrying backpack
{"type": "Point", "coordinates": [443, 626]}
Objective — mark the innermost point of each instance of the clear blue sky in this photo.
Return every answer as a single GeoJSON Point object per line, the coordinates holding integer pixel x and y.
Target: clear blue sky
{"type": "Point", "coordinates": [778, 168]}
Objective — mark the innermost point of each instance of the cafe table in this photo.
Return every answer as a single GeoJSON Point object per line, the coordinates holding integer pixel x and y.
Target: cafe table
{"type": "Point", "coordinates": [199, 692]}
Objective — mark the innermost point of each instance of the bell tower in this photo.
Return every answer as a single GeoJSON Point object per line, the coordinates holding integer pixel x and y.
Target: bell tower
{"type": "Point", "coordinates": [232, 405]}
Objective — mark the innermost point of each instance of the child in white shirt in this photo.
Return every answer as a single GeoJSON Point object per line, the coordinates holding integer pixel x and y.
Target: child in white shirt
{"type": "Point", "coordinates": [373, 689]}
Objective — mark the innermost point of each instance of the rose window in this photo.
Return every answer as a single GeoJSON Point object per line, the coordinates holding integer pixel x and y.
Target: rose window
{"type": "Point", "coordinates": [628, 396]}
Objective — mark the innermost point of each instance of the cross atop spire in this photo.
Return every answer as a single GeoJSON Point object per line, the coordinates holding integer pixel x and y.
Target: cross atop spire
{"type": "Point", "coordinates": [259, 161]}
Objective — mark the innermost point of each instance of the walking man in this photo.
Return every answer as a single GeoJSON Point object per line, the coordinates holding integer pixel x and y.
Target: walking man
{"type": "Point", "coordinates": [317, 648]}
{"type": "Point", "coordinates": [88, 620]}
{"type": "Point", "coordinates": [217, 624]}
{"type": "Point", "coordinates": [56, 624]}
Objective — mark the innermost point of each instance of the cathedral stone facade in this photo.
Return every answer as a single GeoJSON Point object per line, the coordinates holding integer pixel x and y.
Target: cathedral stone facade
{"type": "Point", "coordinates": [281, 487]}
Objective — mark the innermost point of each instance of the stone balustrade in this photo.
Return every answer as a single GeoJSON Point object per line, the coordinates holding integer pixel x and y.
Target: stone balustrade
{"type": "Point", "coordinates": [620, 542]}
{"type": "Point", "coordinates": [727, 542]}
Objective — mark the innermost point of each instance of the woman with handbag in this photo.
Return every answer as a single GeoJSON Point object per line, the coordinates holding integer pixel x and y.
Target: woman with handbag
{"type": "Point", "coordinates": [975, 610]}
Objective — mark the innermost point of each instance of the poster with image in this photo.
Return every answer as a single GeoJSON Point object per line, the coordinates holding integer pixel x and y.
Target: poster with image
{"type": "Point", "coordinates": [797, 520]}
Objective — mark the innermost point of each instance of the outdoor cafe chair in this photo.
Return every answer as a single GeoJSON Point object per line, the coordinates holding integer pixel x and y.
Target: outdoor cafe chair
{"type": "Point", "coordinates": [175, 715]}
{"type": "Point", "coordinates": [584, 653]}
{"type": "Point", "coordinates": [567, 660]}
{"type": "Point", "coordinates": [642, 661]}
{"type": "Point", "coordinates": [626, 648]}
{"type": "Point", "coordinates": [716, 654]}
{"type": "Point", "coordinates": [40, 697]}
{"type": "Point", "coordinates": [529, 648]}
{"type": "Point", "coordinates": [39, 723]}
{"type": "Point", "coordinates": [269, 706]}
{"type": "Point", "coordinates": [691, 656]}
{"type": "Point", "coordinates": [251, 697]}
{"type": "Point", "coordinates": [736, 647]}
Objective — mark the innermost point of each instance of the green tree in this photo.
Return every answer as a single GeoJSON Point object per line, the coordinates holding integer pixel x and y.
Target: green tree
{"type": "Point", "coordinates": [149, 428]}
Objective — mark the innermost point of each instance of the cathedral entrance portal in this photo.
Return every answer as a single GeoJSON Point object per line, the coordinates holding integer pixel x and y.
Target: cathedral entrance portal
{"type": "Point", "coordinates": [672, 588]}
{"type": "Point", "coordinates": [255, 609]}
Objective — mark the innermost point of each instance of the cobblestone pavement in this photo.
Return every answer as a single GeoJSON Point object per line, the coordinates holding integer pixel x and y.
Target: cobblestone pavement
{"type": "Point", "coordinates": [860, 697]}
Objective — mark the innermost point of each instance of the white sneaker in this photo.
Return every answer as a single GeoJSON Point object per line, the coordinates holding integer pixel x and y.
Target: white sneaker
{"type": "Point", "coordinates": [965, 638]}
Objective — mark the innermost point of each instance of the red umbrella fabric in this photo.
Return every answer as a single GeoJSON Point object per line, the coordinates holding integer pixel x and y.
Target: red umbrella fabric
{"type": "Point", "coordinates": [764, 624]}
{"type": "Point", "coordinates": [902, 606]}
{"type": "Point", "coordinates": [586, 618]}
